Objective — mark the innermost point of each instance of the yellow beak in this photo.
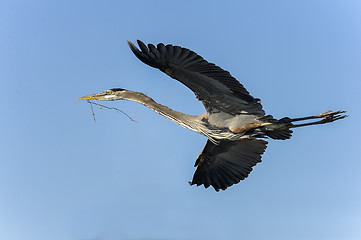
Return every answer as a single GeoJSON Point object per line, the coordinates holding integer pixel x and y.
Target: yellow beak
{"type": "Point", "coordinates": [86, 98]}
{"type": "Point", "coordinates": [98, 96]}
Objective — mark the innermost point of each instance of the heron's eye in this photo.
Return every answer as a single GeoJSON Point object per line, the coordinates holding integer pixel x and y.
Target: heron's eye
{"type": "Point", "coordinates": [109, 91]}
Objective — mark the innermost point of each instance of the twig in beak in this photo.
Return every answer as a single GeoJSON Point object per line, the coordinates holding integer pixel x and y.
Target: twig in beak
{"type": "Point", "coordinates": [98, 105]}
{"type": "Point", "coordinates": [91, 106]}
{"type": "Point", "coordinates": [102, 106]}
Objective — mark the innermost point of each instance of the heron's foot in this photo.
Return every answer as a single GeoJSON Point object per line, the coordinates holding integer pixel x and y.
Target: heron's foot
{"type": "Point", "coordinates": [327, 117]}
{"type": "Point", "coordinates": [328, 113]}
{"type": "Point", "coordinates": [330, 116]}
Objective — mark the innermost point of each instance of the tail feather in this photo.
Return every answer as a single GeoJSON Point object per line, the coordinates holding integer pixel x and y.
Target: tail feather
{"type": "Point", "coordinates": [280, 134]}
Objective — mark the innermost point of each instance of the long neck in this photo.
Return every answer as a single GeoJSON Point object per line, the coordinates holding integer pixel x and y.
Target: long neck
{"type": "Point", "coordinates": [187, 121]}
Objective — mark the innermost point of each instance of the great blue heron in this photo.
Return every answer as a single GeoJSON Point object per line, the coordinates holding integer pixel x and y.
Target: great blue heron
{"type": "Point", "coordinates": [234, 120]}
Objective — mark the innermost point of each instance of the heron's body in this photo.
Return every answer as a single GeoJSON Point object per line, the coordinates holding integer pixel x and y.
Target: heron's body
{"type": "Point", "coordinates": [234, 123]}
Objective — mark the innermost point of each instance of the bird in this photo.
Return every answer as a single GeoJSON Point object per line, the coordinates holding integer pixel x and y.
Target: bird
{"type": "Point", "coordinates": [235, 124]}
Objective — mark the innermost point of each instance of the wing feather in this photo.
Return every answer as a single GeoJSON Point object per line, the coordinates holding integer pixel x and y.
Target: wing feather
{"type": "Point", "coordinates": [213, 86]}
{"type": "Point", "coordinates": [227, 163]}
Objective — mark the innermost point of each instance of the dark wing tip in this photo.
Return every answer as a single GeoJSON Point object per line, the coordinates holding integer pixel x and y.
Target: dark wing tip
{"type": "Point", "coordinates": [147, 55]}
{"type": "Point", "coordinates": [223, 165]}
{"type": "Point", "coordinates": [132, 46]}
{"type": "Point", "coordinates": [129, 43]}
{"type": "Point", "coordinates": [136, 51]}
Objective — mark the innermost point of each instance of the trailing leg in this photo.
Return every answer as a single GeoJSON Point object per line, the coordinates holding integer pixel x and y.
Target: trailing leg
{"type": "Point", "coordinates": [326, 117]}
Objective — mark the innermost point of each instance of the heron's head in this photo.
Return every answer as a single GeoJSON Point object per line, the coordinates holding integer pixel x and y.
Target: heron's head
{"type": "Point", "coordinates": [108, 95]}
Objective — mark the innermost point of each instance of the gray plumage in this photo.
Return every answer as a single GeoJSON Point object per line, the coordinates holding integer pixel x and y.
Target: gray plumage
{"type": "Point", "coordinates": [234, 121]}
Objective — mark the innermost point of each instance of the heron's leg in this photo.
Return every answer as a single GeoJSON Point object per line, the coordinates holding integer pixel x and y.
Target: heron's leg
{"type": "Point", "coordinates": [326, 118]}
{"type": "Point", "coordinates": [321, 115]}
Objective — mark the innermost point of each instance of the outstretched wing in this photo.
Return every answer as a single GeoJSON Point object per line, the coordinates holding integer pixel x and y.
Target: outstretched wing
{"type": "Point", "coordinates": [227, 163]}
{"type": "Point", "coordinates": [213, 86]}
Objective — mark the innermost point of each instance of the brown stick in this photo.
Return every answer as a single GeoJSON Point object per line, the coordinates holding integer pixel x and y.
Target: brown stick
{"type": "Point", "coordinates": [99, 105]}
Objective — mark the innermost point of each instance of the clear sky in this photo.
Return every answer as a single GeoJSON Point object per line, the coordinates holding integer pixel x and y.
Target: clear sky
{"type": "Point", "coordinates": [64, 176]}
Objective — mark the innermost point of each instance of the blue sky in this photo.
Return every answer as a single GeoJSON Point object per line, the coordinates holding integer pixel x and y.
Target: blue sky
{"type": "Point", "coordinates": [64, 176]}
